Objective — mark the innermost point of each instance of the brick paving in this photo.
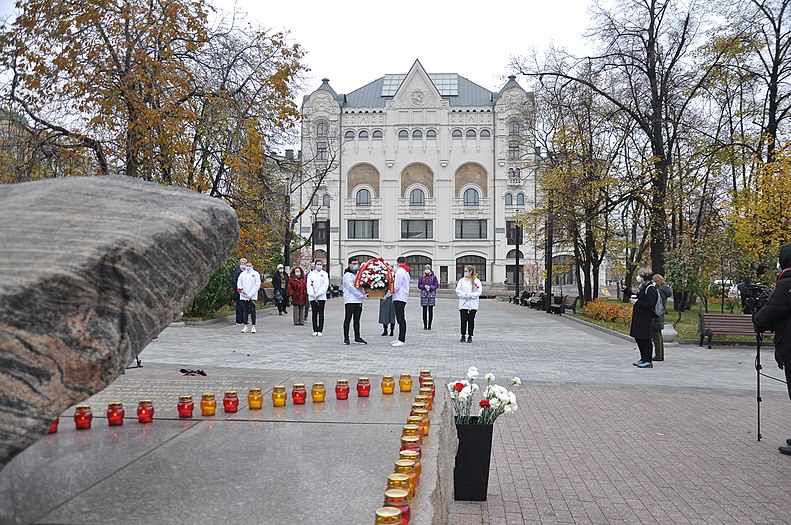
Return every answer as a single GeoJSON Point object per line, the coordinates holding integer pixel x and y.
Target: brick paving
{"type": "Point", "coordinates": [595, 440]}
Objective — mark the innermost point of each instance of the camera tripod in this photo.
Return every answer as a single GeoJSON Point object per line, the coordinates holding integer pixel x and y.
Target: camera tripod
{"type": "Point", "coordinates": [759, 337]}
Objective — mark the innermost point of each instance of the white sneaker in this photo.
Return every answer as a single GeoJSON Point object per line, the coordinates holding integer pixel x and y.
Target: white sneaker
{"type": "Point", "coordinates": [252, 330]}
{"type": "Point", "coordinates": [399, 343]}
{"type": "Point", "coordinates": [318, 334]}
{"type": "Point", "coordinates": [394, 341]}
{"type": "Point", "coordinates": [315, 333]}
{"type": "Point", "coordinates": [244, 329]}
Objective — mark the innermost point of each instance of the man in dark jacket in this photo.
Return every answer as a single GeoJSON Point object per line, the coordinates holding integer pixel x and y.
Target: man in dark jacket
{"type": "Point", "coordinates": [239, 305]}
{"type": "Point", "coordinates": [643, 312]}
{"type": "Point", "coordinates": [776, 317]}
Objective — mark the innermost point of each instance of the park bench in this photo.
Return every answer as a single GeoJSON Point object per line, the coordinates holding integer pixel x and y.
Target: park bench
{"type": "Point", "coordinates": [568, 303]}
{"type": "Point", "coordinates": [724, 324]}
{"type": "Point", "coordinates": [536, 302]}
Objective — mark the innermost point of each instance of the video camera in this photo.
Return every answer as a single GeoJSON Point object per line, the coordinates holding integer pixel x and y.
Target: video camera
{"type": "Point", "coordinates": [754, 297]}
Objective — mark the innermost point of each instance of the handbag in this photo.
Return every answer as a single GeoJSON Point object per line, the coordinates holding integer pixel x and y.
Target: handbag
{"type": "Point", "coordinates": [278, 295]}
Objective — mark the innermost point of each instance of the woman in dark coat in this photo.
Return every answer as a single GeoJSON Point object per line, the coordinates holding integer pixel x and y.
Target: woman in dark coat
{"type": "Point", "coordinates": [643, 311]}
{"type": "Point", "coordinates": [298, 291]}
{"type": "Point", "coordinates": [280, 285]}
{"type": "Point", "coordinates": [387, 313]}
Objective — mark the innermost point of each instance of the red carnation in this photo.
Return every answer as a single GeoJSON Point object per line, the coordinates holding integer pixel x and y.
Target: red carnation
{"type": "Point", "coordinates": [458, 386]}
{"type": "Point", "coordinates": [485, 403]}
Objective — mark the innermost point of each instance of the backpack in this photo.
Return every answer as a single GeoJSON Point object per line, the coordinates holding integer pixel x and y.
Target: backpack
{"type": "Point", "coordinates": [659, 309]}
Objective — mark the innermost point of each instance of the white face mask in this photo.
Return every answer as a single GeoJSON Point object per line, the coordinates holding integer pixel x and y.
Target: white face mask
{"type": "Point", "coordinates": [318, 267]}
{"type": "Point", "coordinates": [466, 273]}
{"type": "Point", "coordinates": [249, 269]}
{"type": "Point", "coordinates": [297, 274]}
{"type": "Point", "coordinates": [427, 272]}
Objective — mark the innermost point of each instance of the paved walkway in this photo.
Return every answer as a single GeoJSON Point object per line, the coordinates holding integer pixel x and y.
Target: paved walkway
{"type": "Point", "coordinates": [596, 440]}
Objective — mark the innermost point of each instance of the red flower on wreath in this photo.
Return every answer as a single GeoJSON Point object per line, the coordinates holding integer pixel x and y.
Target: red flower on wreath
{"type": "Point", "coordinates": [458, 387]}
{"type": "Point", "coordinates": [485, 403]}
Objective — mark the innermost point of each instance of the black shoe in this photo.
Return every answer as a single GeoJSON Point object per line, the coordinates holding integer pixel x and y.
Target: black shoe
{"type": "Point", "coordinates": [463, 339]}
{"type": "Point", "coordinates": [360, 341]}
{"type": "Point", "coordinates": [384, 334]}
{"type": "Point", "coordinates": [655, 358]}
{"type": "Point", "coordinates": [788, 441]}
{"type": "Point", "coordinates": [346, 342]}
{"type": "Point", "coordinates": [785, 449]}
{"type": "Point", "coordinates": [469, 339]}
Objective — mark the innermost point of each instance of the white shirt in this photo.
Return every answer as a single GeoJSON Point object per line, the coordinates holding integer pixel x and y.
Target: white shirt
{"type": "Point", "coordinates": [350, 293]}
{"type": "Point", "coordinates": [250, 283]}
{"type": "Point", "coordinates": [318, 284]}
{"type": "Point", "coordinates": [469, 293]}
{"type": "Point", "coordinates": [401, 285]}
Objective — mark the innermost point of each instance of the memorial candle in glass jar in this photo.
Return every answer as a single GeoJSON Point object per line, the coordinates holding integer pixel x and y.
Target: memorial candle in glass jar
{"type": "Point", "coordinates": [399, 499]}
{"type": "Point", "coordinates": [145, 411]}
{"type": "Point", "coordinates": [208, 404]}
{"type": "Point", "coordinates": [342, 389]}
{"type": "Point", "coordinates": [255, 398]}
{"type": "Point", "coordinates": [411, 443]}
{"type": "Point", "coordinates": [318, 392]}
{"type": "Point", "coordinates": [413, 430]}
{"type": "Point", "coordinates": [363, 387]}
{"type": "Point", "coordinates": [389, 515]}
{"type": "Point", "coordinates": [279, 396]}
{"type": "Point", "coordinates": [115, 414]}
{"type": "Point", "coordinates": [407, 466]}
{"type": "Point", "coordinates": [230, 401]}
{"type": "Point", "coordinates": [299, 394]}
{"type": "Point", "coordinates": [388, 385]}
{"type": "Point", "coordinates": [54, 426]}
{"type": "Point", "coordinates": [185, 406]}
{"type": "Point", "coordinates": [83, 416]}
{"type": "Point", "coordinates": [400, 482]}
{"type": "Point", "coordinates": [423, 375]}
{"type": "Point", "coordinates": [414, 456]}
{"type": "Point", "coordinates": [405, 383]}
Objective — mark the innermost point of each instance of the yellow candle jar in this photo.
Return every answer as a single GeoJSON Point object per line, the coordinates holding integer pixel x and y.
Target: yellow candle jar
{"type": "Point", "coordinates": [279, 396]}
{"type": "Point", "coordinates": [429, 383]}
{"type": "Point", "coordinates": [415, 420]}
{"type": "Point", "coordinates": [388, 385]}
{"type": "Point", "coordinates": [400, 482]}
{"type": "Point", "coordinates": [405, 383]}
{"type": "Point", "coordinates": [407, 466]}
{"type": "Point", "coordinates": [424, 414]}
{"type": "Point", "coordinates": [414, 456]}
{"type": "Point", "coordinates": [208, 404]}
{"type": "Point", "coordinates": [416, 405]}
{"type": "Point", "coordinates": [388, 515]}
{"type": "Point", "coordinates": [318, 392]}
{"type": "Point", "coordinates": [255, 399]}
{"type": "Point", "coordinates": [422, 398]}
{"type": "Point", "coordinates": [413, 430]}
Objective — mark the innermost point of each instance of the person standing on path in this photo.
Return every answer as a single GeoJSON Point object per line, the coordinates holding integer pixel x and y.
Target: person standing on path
{"type": "Point", "coordinates": [247, 285]}
{"type": "Point", "coordinates": [658, 322]}
{"type": "Point", "coordinates": [428, 284]}
{"type": "Point", "coordinates": [776, 316]}
{"type": "Point", "coordinates": [643, 312]}
{"type": "Point", "coordinates": [468, 289]}
{"type": "Point", "coordinates": [318, 284]}
{"type": "Point", "coordinates": [239, 306]}
{"type": "Point", "coordinates": [400, 298]}
{"type": "Point", "coordinates": [298, 292]}
{"type": "Point", "coordinates": [352, 302]}
{"type": "Point", "coordinates": [280, 286]}
{"type": "Point", "coordinates": [387, 313]}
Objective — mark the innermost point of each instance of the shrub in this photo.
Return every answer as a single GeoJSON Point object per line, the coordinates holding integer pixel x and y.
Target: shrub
{"type": "Point", "coordinates": [217, 293]}
{"type": "Point", "coordinates": [608, 311]}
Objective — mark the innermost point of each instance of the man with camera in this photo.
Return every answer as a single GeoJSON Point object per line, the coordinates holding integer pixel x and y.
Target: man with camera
{"type": "Point", "coordinates": [776, 316]}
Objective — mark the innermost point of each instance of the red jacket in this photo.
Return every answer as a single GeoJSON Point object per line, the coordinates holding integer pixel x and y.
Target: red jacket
{"type": "Point", "coordinates": [298, 290]}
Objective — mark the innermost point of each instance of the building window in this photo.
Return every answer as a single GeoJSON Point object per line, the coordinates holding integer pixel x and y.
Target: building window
{"type": "Point", "coordinates": [363, 134]}
{"type": "Point", "coordinates": [513, 234]}
{"type": "Point", "coordinates": [417, 197]}
{"type": "Point", "coordinates": [417, 229]}
{"type": "Point", "coordinates": [417, 134]}
{"type": "Point", "coordinates": [322, 131]}
{"type": "Point", "coordinates": [512, 254]}
{"type": "Point", "coordinates": [349, 135]}
{"type": "Point", "coordinates": [470, 229]}
{"type": "Point", "coordinates": [314, 201]}
{"type": "Point", "coordinates": [513, 150]}
{"type": "Point", "coordinates": [485, 134]}
{"type": "Point", "coordinates": [363, 197]}
{"type": "Point", "coordinates": [431, 134]}
{"type": "Point", "coordinates": [377, 135]}
{"type": "Point", "coordinates": [471, 197]}
{"type": "Point", "coordinates": [456, 134]}
{"type": "Point", "coordinates": [363, 229]}
{"type": "Point", "coordinates": [514, 130]}
{"type": "Point", "coordinates": [321, 232]}
{"type": "Point", "coordinates": [325, 201]}
{"type": "Point", "coordinates": [364, 257]}
{"type": "Point", "coordinates": [416, 264]}
{"type": "Point", "coordinates": [520, 199]}
{"type": "Point", "coordinates": [470, 133]}
{"type": "Point", "coordinates": [474, 260]}
{"type": "Point", "coordinates": [403, 134]}
{"type": "Point", "coordinates": [509, 199]}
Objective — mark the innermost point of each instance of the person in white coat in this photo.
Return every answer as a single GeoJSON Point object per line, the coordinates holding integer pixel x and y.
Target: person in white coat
{"type": "Point", "coordinates": [318, 284]}
{"type": "Point", "coordinates": [469, 291]}
{"type": "Point", "coordinates": [400, 298]}
{"type": "Point", "coordinates": [352, 302]}
{"type": "Point", "coordinates": [248, 284]}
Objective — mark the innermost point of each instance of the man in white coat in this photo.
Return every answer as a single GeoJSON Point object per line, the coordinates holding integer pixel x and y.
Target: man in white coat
{"type": "Point", "coordinates": [248, 284]}
{"type": "Point", "coordinates": [400, 298]}
{"type": "Point", "coordinates": [352, 302]}
{"type": "Point", "coordinates": [318, 284]}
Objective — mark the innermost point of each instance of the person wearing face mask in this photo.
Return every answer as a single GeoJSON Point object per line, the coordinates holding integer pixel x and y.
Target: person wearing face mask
{"type": "Point", "coordinates": [298, 292]}
{"type": "Point", "coordinates": [247, 285]}
{"type": "Point", "coordinates": [428, 284]}
{"type": "Point", "coordinates": [468, 289]}
{"type": "Point", "coordinates": [318, 284]}
{"type": "Point", "coordinates": [280, 287]}
{"type": "Point", "coordinates": [400, 298]}
{"type": "Point", "coordinates": [239, 306]}
{"type": "Point", "coordinates": [352, 302]}
{"type": "Point", "coordinates": [643, 313]}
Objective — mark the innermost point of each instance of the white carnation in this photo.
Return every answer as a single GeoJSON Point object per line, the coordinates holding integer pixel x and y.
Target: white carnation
{"type": "Point", "coordinates": [489, 378]}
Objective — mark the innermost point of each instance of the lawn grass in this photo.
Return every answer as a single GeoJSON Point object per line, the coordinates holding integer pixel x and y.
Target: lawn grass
{"type": "Point", "coordinates": [225, 311]}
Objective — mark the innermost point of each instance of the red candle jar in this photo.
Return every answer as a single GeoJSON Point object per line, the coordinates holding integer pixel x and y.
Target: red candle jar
{"type": "Point", "coordinates": [398, 499]}
{"type": "Point", "coordinates": [231, 401]}
{"type": "Point", "coordinates": [363, 387]}
{"type": "Point", "coordinates": [389, 515]}
{"type": "Point", "coordinates": [54, 426]}
{"type": "Point", "coordinates": [185, 406]}
{"type": "Point", "coordinates": [145, 411]}
{"type": "Point", "coordinates": [342, 389]}
{"type": "Point", "coordinates": [411, 443]}
{"type": "Point", "coordinates": [83, 417]}
{"type": "Point", "coordinates": [115, 414]}
{"type": "Point", "coordinates": [423, 375]}
{"type": "Point", "coordinates": [299, 394]}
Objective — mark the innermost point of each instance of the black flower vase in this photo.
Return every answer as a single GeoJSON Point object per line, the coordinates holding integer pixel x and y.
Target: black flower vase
{"type": "Point", "coordinates": [471, 472]}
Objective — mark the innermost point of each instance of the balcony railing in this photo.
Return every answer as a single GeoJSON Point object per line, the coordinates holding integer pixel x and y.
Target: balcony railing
{"type": "Point", "coordinates": [484, 208]}
{"type": "Point", "coordinates": [351, 210]}
{"type": "Point", "coordinates": [405, 209]}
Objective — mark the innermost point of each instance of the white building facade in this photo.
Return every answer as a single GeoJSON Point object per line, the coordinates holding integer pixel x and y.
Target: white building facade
{"type": "Point", "coordinates": [429, 166]}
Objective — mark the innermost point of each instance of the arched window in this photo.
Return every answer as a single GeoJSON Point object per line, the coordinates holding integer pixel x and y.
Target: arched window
{"type": "Point", "coordinates": [417, 197]}
{"type": "Point", "coordinates": [431, 134]}
{"type": "Point", "coordinates": [470, 133]}
{"type": "Point", "coordinates": [485, 134]}
{"type": "Point", "coordinates": [377, 134]}
{"type": "Point", "coordinates": [512, 254]}
{"type": "Point", "coordinates": [514, 128]}
{"type": "Point", "coordinates": [456, 134]}
{"type": "Point", "coordinates": [471, 197]}
{"type": "Point", "coordinates": [363, 134]}
{"type": "Point", "coordinates": [322, 146]}
{"type": "Point", "coordinates": [365, 257]}
{"type": "Point", "coordinates": [509, 199]}
{"type": "Point", "coordinates": [474, 260]}
{"type": "Point", "coordinates": [325, 201]}
{"type": "Point", "coordinates": [417, 134]}
{"type": "Point", "coordinates": [520, 199]}
{"type": "Point", "coordinates": [349, 135]}
{"type": "Point", "coordinates": [416, 265]}
{"type": "Point", "coordinates": [314, 201]}
{"type": "Point", "coordinates": [403, 134]}
{"type": "Point", "coordinates": [363, 197]}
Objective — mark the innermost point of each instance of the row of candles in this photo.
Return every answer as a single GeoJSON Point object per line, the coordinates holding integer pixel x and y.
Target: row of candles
{"type": "Point", "coordinates": [402, 483]}
{"type": "Point", "coordinates": [83, 416]}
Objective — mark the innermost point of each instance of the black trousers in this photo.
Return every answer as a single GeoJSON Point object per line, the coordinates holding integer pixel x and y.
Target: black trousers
{"type": "Point", "coordinates": [428, 316]}
{"type": "Point", "coordinates": [353, 311]}
{"type": "Point", "coordinates": [787, 369]}
{"type": "Point", "coordinates": [249, 311]}
{"type": "Point", "coordinates": [400, 319]}
{"type": "Point", "coordinates": [318, 315]}
{"type": "Point", "coordinates": [646, 348]}
{"type": "Point", "coordinates": [239, 308]}
{"type": "Point", "coordinates": [467, 321]}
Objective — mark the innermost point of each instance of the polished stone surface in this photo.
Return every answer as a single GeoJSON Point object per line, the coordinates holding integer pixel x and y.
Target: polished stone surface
{"type": "Point", "coordinates": [91, 270]}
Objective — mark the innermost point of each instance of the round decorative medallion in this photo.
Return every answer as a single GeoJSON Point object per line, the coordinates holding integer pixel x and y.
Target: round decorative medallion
{"type": "Point", "coordinates": [417, 97]}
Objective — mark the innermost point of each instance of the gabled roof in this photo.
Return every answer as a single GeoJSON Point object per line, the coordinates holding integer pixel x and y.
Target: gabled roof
{"type": "Point", "coordinates": [458, 90]}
